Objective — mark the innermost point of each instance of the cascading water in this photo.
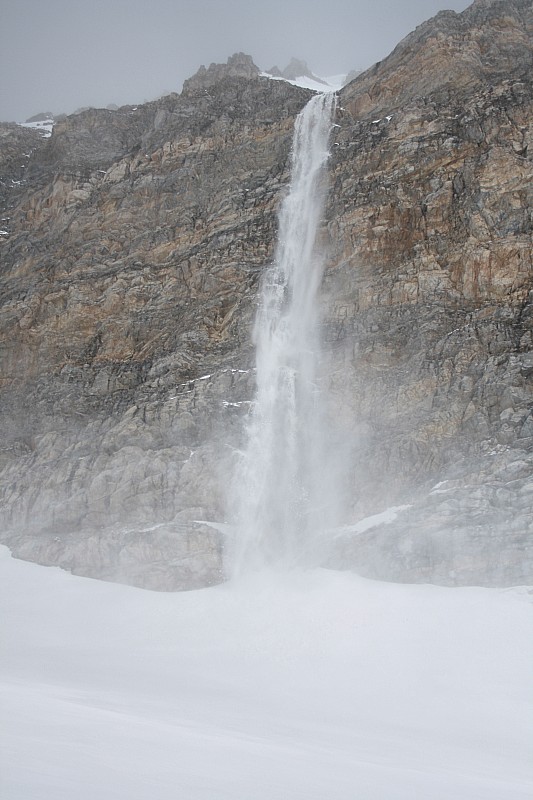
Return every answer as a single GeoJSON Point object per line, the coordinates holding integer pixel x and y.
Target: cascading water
{"type": "Point", "coordinates": [282, 497]}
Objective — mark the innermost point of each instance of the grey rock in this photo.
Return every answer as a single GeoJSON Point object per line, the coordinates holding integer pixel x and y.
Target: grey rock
{"type": "Point", "coordinates": [128, 289]}
{"type": "Point", "coordinates": [238, 65]}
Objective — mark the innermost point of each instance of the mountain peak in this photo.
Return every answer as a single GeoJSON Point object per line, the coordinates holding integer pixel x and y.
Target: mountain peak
{"type": "Point", "coordinates": [296, 68]}
{"type": "Point", "coordinates": [239, 65]}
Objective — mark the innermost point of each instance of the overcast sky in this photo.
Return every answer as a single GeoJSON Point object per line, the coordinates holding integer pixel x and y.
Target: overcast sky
{"type": "Point", "coordinates": [58, 55]}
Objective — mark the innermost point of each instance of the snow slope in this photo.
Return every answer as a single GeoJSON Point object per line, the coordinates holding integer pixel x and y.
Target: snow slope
{"type": "Point", "coordinates": [45, 126]}
{"type": "Point", "coordinates": [331, 84]}
{"type": "Point", "coordinates": [315, 685]}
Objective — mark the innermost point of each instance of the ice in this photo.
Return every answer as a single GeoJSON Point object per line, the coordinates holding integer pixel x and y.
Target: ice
{"type": "Point", "coordinates": [307, 685]}
{"type": "Point", "coordinates": [366, 524]}
{"type": "Point", "coordinates": [438, 488]}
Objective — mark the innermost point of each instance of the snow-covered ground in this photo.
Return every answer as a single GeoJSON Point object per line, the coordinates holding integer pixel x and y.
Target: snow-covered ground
{"type": "Point", "coordinates": [44, 126]}
{"type": "Point", "coordinates": [331, 84]}
{"type": "Point", "coordinates": [314, 685]}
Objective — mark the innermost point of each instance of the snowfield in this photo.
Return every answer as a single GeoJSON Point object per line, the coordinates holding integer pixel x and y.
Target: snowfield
{"type": "Point", "coordinates": [45, 126]}
{"type": "Point", "coordinates": [312, 685]}
{"type": "Point", "coordinates": [333, 83]}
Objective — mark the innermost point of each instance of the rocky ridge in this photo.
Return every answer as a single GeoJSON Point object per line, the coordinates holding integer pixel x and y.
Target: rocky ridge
{"type": "Point", "coordinates": [129, 278]}
{"type": "Point", "coordinates": [296, 68]}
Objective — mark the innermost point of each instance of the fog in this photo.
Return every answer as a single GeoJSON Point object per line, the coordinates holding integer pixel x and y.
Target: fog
{"type": "Point", "coordinates": [64, 54]}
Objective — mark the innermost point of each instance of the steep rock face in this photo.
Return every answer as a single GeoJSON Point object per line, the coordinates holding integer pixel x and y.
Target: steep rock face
{"type": "Point", "coordinates": [128, 278]}
{"type": "Point", "coordinates": [487, 43]}
{"type": "Point", "coordinates": [17, 144]}
{"type": "Point", "coordinates": [430, 292]}
{"type": "Point", "coordinates": [128, 287]}
{"type": "Point", "coordinates": [431, 329]}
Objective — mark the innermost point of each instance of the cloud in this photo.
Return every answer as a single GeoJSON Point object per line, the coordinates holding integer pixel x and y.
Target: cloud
{"type": "Point", "coordinates": [63, 54]}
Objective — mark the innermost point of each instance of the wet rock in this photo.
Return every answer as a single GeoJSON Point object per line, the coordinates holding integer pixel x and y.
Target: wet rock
{"type": "Point", "coordinates": [128, 290]}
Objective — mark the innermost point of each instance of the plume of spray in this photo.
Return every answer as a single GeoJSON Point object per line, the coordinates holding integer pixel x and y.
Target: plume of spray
{"type": "Point", "coordinates": [282, 495]}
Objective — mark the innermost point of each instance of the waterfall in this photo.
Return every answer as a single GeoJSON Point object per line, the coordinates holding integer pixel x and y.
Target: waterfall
{"type": "Point", "coordinates": [282, 494]}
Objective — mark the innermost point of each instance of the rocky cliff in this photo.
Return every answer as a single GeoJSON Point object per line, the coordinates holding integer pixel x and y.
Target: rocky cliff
{"type": "Point", "coordinates": [431, 278]}
{"type": "Point", "coordinates": [129, 275]}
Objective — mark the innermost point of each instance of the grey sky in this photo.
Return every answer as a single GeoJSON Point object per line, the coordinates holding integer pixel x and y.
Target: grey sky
{"type": "Point", "coordinates": [58, 55]}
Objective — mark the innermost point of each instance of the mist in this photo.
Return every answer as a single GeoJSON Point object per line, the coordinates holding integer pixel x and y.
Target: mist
{"type": "Point", "coordinates": [61, 55]}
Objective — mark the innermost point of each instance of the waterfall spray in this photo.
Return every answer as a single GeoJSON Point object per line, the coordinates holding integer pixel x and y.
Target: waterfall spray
{"type": "Point", "coordinates": [281, 493]}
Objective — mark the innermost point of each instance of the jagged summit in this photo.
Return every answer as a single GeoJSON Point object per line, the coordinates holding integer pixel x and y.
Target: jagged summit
{"type": "Point", "coordinates": [41, 117]}
{"type": "Point", "coordinates": [297, 68]}
{"type": "Point", "coordinates": [298, 73]}
{"type": "Point", "coordinates": [239, 65]}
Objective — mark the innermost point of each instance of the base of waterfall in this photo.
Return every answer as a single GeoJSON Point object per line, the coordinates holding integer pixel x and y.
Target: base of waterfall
{"type": "Point", "coordinates": [312, 684]}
